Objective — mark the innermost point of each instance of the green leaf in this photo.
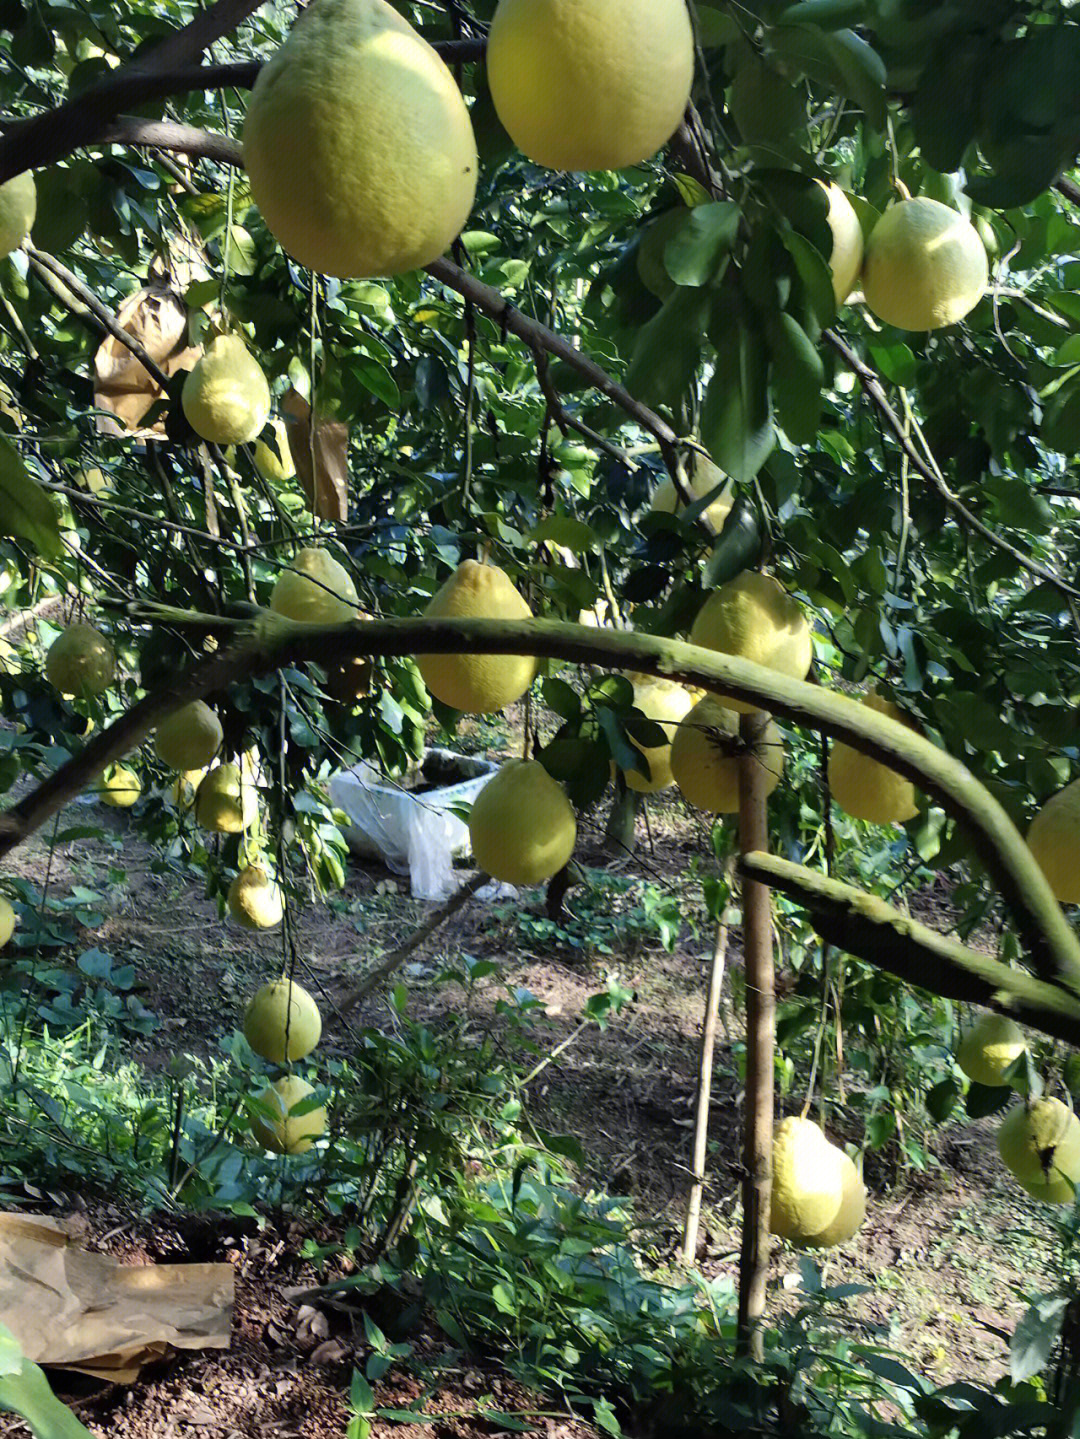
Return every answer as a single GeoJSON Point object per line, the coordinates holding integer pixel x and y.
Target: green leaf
{"type": "Point", "coordinates": [565, 530]}
{"type": "Point", "coordinates": [862, 74]}
{"type": "Point", "coordinates": [942, 1099]}
{"type": "Point", "coordinates": [736, 418]}
{"type": "Point", "coordinates": [797, 377]}
{"type": "Point", "coordinates": [738, 546]}
{"type": "Point", "coordinates": [945, 108]}
{"type": "Point", "coordinates": [27, 1394]}
{"type": "Point", "coordinates": [1060, 428]}
{"type": "Point", "coordinates": [693, 256]}
{"type": "Point", "coordinates": [895, 362]}
{"type": "Point", "coordinates": [241, 256]}
{"type": "Point", "coordinates": [378, 380]}
{"type": "Point", "coordinates": [985, 1099]}
{"type": "Point", "coordinates": [826, 13]}
{"type": "Point", "coordinates": [562, 698]}
{"type": "Point", "coordinates": [1036, 1335]}
{"type": "Point", "coordinates": [27, 512]}
{"type": "Point", "coordinates": [815, 275]}
{"type": "Point", "coordinates": [769, 111]}
{"type": "Point", "coordinates": [668, 349]}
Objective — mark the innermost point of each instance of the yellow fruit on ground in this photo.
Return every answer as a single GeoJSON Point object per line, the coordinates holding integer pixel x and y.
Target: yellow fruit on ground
{"type": "Point", "coordinates": [1054, 840]}
{"type": "Point", "coordinates": [184, 787]}
{"type": "Point", "coordinates": [1040, 1144]}
{"type": "Point", "coordinates": [119, 787]}
{"type": "Point", "coordinates": [224, 802]}
{"type": "Point", "coordinates": [846, 259]}
{"type": "Point", "coordinates": [81, 662]}
{"type": "Point", "coordinates": [7, 922]}
{"type": "Point", "coordinates": [705, 757]}
{"type": "Point", "coordinates": [315, 590]}
{"type": "Point", "coordinates": [703, 479]}
{"type": "Point", "coordinates": [666, 703]}
{"type": "Point", "coordinates": [254, 899]}
{"type": "Point", "coordinates": [226, 397]}
{"type": "Point", "coordinates": [274, 462]}
{"type": "Point", "coordinates": [189, 738]}
{"type": "Point", "coordinates": [852, 1211]}
{"type": "Point", "coordinates": [358, 143]}
{"type": "Point", "coordinates": [808, 1181]}
{"type": "Point", "coordinates": [18, 207]}
{"type": "Point", "coordinates": [865, 788]}
{"type": "Point", "coordinates": [590, 84]}
{"type": "Point", "coordinates": [753, 616]}
{"type": "Point", "coordinates": [477, 684]}
{"type": "Point", "coordinates": [925, 266]}
{"type": "Point", "coordinates": [289, 1134]}
{"type": "Point", "coordinates": [989, 1048]}
{"type": "Point", "coordinates": [522, 826]}
{"type": "Point", "coordinates": [282, 1022]}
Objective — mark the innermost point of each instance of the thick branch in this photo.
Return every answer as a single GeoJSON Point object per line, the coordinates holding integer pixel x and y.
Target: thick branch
{"type": "Point", "coordinates": [166, 135]}
{"type": "Point", "coordinates": [868, 927]}
{"type": "Point", "coordinates": [875, 392]}
{"type": "Point", "coordinates": [271, 642]}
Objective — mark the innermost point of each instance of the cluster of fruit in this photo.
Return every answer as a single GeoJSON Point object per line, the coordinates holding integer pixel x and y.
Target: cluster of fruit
{"type": "Point", "coordinates": [282, 1024]}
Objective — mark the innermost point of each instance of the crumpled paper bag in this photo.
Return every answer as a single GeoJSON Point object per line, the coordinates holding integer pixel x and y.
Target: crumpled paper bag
{"type": "Point", "coordinates": [74, 1310]}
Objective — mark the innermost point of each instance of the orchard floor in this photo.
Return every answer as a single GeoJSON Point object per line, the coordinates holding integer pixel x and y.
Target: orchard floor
{"type": "Point", "coordinates": [945, 1255]}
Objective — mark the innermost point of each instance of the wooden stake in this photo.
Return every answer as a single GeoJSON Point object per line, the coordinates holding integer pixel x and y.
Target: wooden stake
{"type": "Point", "coordinates": [760, 1041]}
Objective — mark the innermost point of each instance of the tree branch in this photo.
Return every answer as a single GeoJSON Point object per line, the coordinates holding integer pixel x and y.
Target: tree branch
{"type": "Point", "coordinates": [874, 931]}
{"type": "Point", "coordinates": [875, 392]}
{"type": "Point", "coordinates": [268, 642]}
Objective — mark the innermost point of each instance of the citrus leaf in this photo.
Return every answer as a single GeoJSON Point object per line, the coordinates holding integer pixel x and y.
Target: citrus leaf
{"type": "Point", "coordinates": [27, 1394]}
{"type": "Point", "coordinates": [27, 512]}
{"type": "Point", "coordinates": [797, 377]}
{"type": "Point", "coordinates": [693, 256]}
{"type": "Point", "coordinates": [736, 418]}
{"type": "Point", "coordinates": [815, 275]}
{"type": "Point", "coordinates": [945, 110]}
{"type": "Point", "coordinates": [737, 548]}
{"type": "Point", "coordinates": [1035, 1336]}
{"type": "Point", "coordinates": [668, 349]}
{"type": "Point", "coordinates": [862, 74]}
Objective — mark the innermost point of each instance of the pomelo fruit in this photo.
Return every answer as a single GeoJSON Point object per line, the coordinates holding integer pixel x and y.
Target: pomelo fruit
{"type": "Point", "coordinates": [18, 207]}
{"type": "Point", "coordinates": [225, 802]}
{"type": "Point", "coordinates": [846, 259]}
{"type": "Point", "coordinates": [189, 738]}
{"type": "Point", "coordinates": [255, 900]}
{"type": "Point", "coordinates": [289, 1134]}
{"type": "Point", "coordinates": [274, 461]}
{"type": "Point", "coordinates": [119, 787]}
{"type": "Point", "coordinates": [590, 84]}
{"type": "Point", "coordinates": [1054, 840]}
{"type": "Point", "coordinates": [358, 143]}
{"type": "Point", "coordinates": [925, 266]}
{"type": "Point", "coordinates": [703, 479]}
{"type": "Point", "coordinates": [80, 662]}
{"type": "Point", "coordinates": [226, 397]}
{"type": "Point", "coordinates": [808, 1181]}
{"type": "Point", "coordinates": [477, 684]}
{"type": "Point", "coordinates": [315, 590]}
{"type": "Point", "coordinates": [7, 922]}
{"type": "Point", "coordinates": [990, 1047]}
{"type": "Point", "coordinates": [865, 788]}
{"type": "Point", "coordinates": [666, 703]}
{"type": "Point", "coordinates": [282, 1022]}
{"type": "Point", "coordinates": [753, 616]}
{"type": "Point", "coordinates": [705, 757]}
{"type": "Point", "coordinates": [184, 787]}
{"type": "Point", "coordinates": [522, 826]}
{"type": "Point", "coordinates": [1040, 1144]}
{"type": "Point", "coordinates": [852, 1211]}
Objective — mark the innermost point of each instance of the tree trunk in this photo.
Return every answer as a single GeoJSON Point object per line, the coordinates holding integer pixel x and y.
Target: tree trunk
{"type": "Point", "coordinates": [620, 833]}
{"type": "Point", "coordinates": [760, 1037]}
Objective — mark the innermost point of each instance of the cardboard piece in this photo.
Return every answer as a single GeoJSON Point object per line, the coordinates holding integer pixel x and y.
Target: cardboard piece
{"type": "Point", "coordinates": [74, 1310]}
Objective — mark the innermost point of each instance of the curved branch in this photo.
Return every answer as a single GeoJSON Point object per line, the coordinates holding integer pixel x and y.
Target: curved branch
{"type": "Point", "coordinates": [874, 931]}
{"type": "Point", "coordinates": [269, 642]}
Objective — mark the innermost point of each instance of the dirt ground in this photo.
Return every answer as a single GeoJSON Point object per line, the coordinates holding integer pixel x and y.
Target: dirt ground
{"type": "Point", "coordinates": [945, 1255]}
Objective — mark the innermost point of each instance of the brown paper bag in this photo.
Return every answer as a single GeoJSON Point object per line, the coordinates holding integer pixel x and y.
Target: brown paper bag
{"type": "Point", "coordinates": [322, 463]}
{"type": "Point", "coordinates": [156, 316]}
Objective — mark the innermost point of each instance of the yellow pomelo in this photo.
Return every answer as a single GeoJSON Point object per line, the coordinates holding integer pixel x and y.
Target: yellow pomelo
{"type": "Point", "coordinates": [808, 1181]}
{"type": "Point", "coordinates": [703, 479]}
{"type": "Point", "coordinates": [753, 616]}
{"type": "Point", "coordinates": [358, 143]}
{"type": "Point", "coordinates": [254, 899]}
{"type": "Point", "coordinates": [93, 479]}
{"type": "Point", "coordinates": [226, 398]}
{"type": "Point", "coordinates": [865, 788]}
{"type": "Point", "coordinates": [282, 1022]}
{"type": "Point", "coordinates": [274, 462]}
{"type": "Point", "coordinates": [590, 84]}
{"type": "Point", "coordinates": [183, 789]}
{"type": "Point", "coordinates": [1041, 1146]}
{"type": "Point", "coordinates": [224, 802]}
{"type": "Point", "coordinates": [1054, 840]}
{"type": "Point", "coordinates": [925, 266]}
{"type": "Point", "coordinates": [315, 590]}
{"type": "Point", "coordinates": [7, 922]}
{"type": "Point", "coordinates": [477, 684]}
{"type": "Point", "coordinates": [705, 757]}
{"type": "Point", "coordinates": [289, 1134]}
{"type": "Point", "coordinates": [18, 206]}
{"type": "Point", "coordinates": [81, 661]}
{"type": "Point", "coordinates": [119, 787]}
{"type": "Point", "coordinates": [522, 826]}
{"type": "Point", "coordinates": [666, 703]}
{"type": "Point", "coordinates": [189, 738]}
{"type": "Point", "coordinates": [989, 1048]}
{"type": "Point", "coordinates": [846, 259]}
{"type": "Point", "coordinates": [852, 1211]}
